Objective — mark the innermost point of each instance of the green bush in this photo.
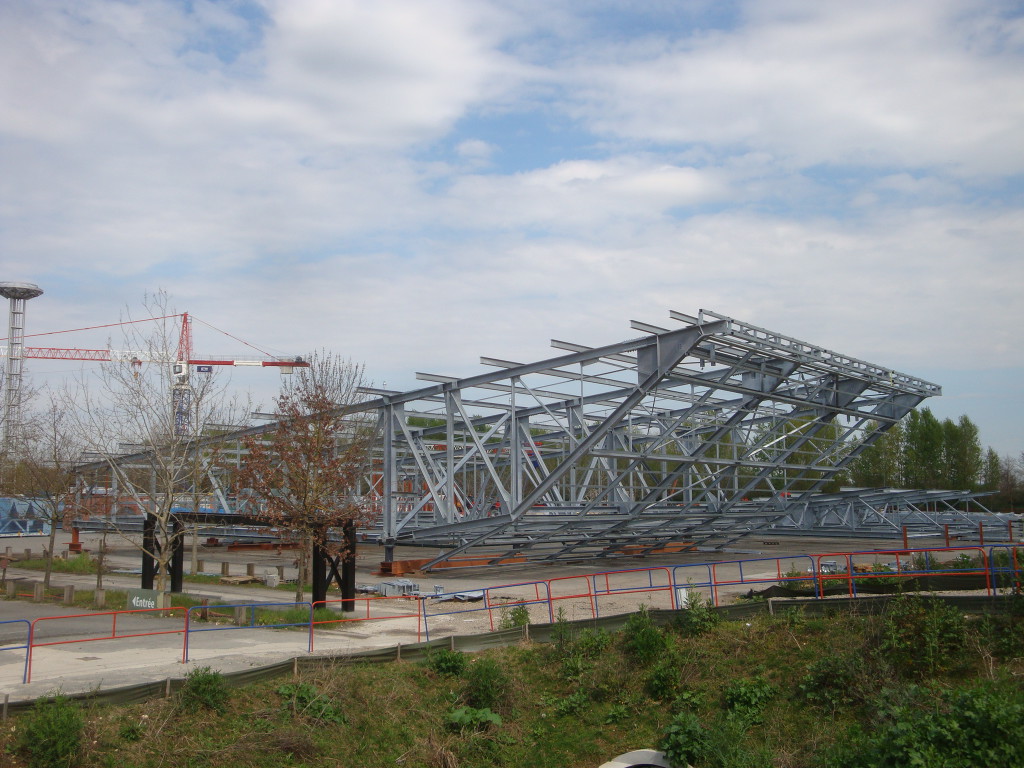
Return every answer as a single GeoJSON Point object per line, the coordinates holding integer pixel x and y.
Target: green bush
{"type": "Point", "coordinates": [920, 637]}
{"type": "Point", "coordinates": [204, 688]}
{"type": "Point", "coordinates": [51, 736]}
{"type": "Point", "coordinates": [683, 741]}
{"type": "Point", "coordinates": [663, 681]}
{"type": "Point", "coordinates": [976, 726]}
{"type": "Point", "coordinates": [726, 746]}
{"type": "Point", "coordinates": [446, 662]}
{"type": "Point", "coordinates": [834, 681]}
{"type": "Point", "coordinates": [643, 641]}
{"type": "Point", "coordinates": [574, 667]}
{"type": "Point", "coordinates": [696, 617]}
{"type": "Point", "coordinates": [517, 616]}
{"type": "Point", "coordinates": [747, 698]}
{"type": "Point", "coordinates": [486, 684]}
{"type": "Point", "coordinates": [590, 643]}
{"type": "Point", "coordinates": [471, 719]}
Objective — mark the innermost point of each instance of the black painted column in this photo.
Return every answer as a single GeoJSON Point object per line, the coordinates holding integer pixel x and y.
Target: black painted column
{"type": "Point", "coordinates": [177, 557]}
{"type": "Point", "coordinates": [148, 550]}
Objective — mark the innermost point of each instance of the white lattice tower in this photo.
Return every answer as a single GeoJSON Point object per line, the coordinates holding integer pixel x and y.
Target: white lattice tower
{"type": "Point", "coordinates": [17, 294]}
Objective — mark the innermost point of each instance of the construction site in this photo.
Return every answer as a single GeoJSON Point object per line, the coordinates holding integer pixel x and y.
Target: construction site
{"type": "Point", "coordinates": [694, 436]}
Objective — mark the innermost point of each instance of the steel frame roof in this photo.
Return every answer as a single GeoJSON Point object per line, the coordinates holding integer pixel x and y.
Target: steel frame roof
{"type": "Point", "coordinates": [694, 436]}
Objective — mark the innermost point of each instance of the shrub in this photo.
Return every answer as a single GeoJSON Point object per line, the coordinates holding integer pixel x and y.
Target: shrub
{"type": "Point", "coordinates": [834, 681]}
{"type": "Point", "coordinates": [204, 688]}
{"type": "Point", "coordinates": [486, 684]}
{"type": "Point", "coordinates": [747, 698]}
{"type": "Point", "coordinates": [697, 616]}
{"type": "Point", "coordinates": [923, 637]}
{"type": "Point", "coordinates": [683, 741]}
{"type": "Point", "coordinates": [591, 642]}
{"type": "Point", "coordinates": [663, 681]}
{"type": "Point", "coordinates": [975, 726]}
{"type": "Point", "coordinates": [52, 734]}
{"type": "Point", "coordinates": [641, 639]}
{"type": "Point", "coordinates": [446, 662]}
{"type": "Point", "coordinates": [574, 667]}
{"type": "Point", "coordinates": [517, 616]}
{"type": "Point", "coordinates": [471, 719]}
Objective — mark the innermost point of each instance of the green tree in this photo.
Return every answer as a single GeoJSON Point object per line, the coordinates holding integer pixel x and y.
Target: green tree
{"type": "Point", "coordinates": [923, 451]}
{"type": "Point", "coordinates": [880, 465]}
{"type": "Point", "coordinates": [992, 472]}
{"type": "Point", "coordinates": [962, 454]}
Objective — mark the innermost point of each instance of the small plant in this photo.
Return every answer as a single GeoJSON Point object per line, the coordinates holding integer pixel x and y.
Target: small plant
{"type": "Point", "coordinates": [132, 731]}
{"type": "Point", "coordinates": [591, 642]}
{"type": "Point", "coordinates": [696, 617]}
{"type": "Point", "coordinates": [617, 713]}
{"type": "Point", "coordinates": [52, 734]}
{"type": "Point", "coordinates": [517, 616]}
{"type": "Point", "coordinates": [688, 700]}
{"type": "Point", "coordinates": [486, 684]}
{"type": "Point", "coordinates": [575, 666]}
{"type": "Point", "coordinates": [204, 688]}
{"type": "Point", "coordinates": [571, 704]}
{"type": "Point", "coordinates": [472, 719]}
{"type": "Point", "coordinates": [561, 633]}
{"type": "Point", "coordinates": [304, 699]}
{"type": "Point", "coordinates": [683, 741]}
{"type": "Point", "coordinates": [663, 681]}
{"type": "Point", "coordinates": [641, 639]}
{"type": "Point", "coordinates": [921, 637]}
{"type": "Point", "coordinates": [747, 698]}
{"type": "Point", "coordinates": [446, 662]}
{"type": "Point", "coordinates": [834, 681]}
{"type": "Point", "coordinates": [962, 562]}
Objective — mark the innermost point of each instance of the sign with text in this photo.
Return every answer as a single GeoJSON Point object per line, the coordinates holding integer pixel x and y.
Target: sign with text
{"type": "Point", "coordinates": [139, 599]}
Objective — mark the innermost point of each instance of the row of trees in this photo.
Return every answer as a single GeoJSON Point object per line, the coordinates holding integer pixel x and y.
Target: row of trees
{"type": "Point", "coordinates": [298, 478]}
{"type": "Point", "coordinates": [923, 452]}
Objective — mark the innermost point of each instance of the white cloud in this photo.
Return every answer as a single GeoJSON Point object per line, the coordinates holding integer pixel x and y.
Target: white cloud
{"type": "Point", "coordinates": [918, 83]}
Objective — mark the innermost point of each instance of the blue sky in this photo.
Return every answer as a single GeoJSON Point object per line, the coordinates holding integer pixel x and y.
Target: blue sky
{"type": "Point", "coordinates": [416, 183]}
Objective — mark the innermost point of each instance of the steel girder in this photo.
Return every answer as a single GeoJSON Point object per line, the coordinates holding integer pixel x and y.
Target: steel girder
{"type": "Point", "coordinates": [699, 434]}
{"type": "Point", "coordinates": [694, 436]}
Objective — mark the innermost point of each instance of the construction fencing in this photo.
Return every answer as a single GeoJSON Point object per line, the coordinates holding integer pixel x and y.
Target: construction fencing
{"type": "Point", "coordinates": [539, 633]}
{"type": "Point", "coordinates": [588, 597]}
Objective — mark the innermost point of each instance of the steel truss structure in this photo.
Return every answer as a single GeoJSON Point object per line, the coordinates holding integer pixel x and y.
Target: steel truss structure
{"type": "Point", "coordinates": [696, 435]}
{"type": "Point", "coordinates": [691, 436]}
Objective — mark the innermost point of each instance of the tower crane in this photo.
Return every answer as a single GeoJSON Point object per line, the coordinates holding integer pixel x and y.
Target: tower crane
{"type": "Point", "coordinates": [181, 366]}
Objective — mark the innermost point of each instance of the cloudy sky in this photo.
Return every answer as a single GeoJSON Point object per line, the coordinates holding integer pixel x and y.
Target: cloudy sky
{"type": "Point", "coordinates": [416, 183]}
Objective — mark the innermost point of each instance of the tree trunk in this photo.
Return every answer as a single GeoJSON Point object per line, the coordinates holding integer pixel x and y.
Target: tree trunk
{"type": "Point", "coordinates": [300, 578]}
{"type": "Point", "coordinates": [49, 553]}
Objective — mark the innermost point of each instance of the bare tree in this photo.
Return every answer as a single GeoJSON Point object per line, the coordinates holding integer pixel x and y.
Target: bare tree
{"type": "Point", "coordinates": [305, 472]}
{"type": "Point", "coordinates": [144, 418]}
{"type": "Point", "coordinates": [48, 451]}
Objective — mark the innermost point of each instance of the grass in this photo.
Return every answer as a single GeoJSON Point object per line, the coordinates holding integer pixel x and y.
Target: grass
{"type": "Point", "coordinates": [756, 693]}
{"type": "Point", "coordinates": [81, 564]}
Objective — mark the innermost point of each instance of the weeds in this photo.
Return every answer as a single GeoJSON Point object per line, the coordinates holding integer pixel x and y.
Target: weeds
{"type": "Point", "coordinates": [446, 662]}
{"type": "Point", "coordinates": [747, 698]}
{"type": "Point", "coordinates": [643, 641]}
{"type": "Point", "coordinates": [471, 719]}
{"type": "Point", "coordinates": [486, 684]}
{"type": "Point", "coordinates": [52, 735]}
{"type": "Point", "coordinates": [304, 700]}
{"type": "Point", "coordinates": [204, 688]}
